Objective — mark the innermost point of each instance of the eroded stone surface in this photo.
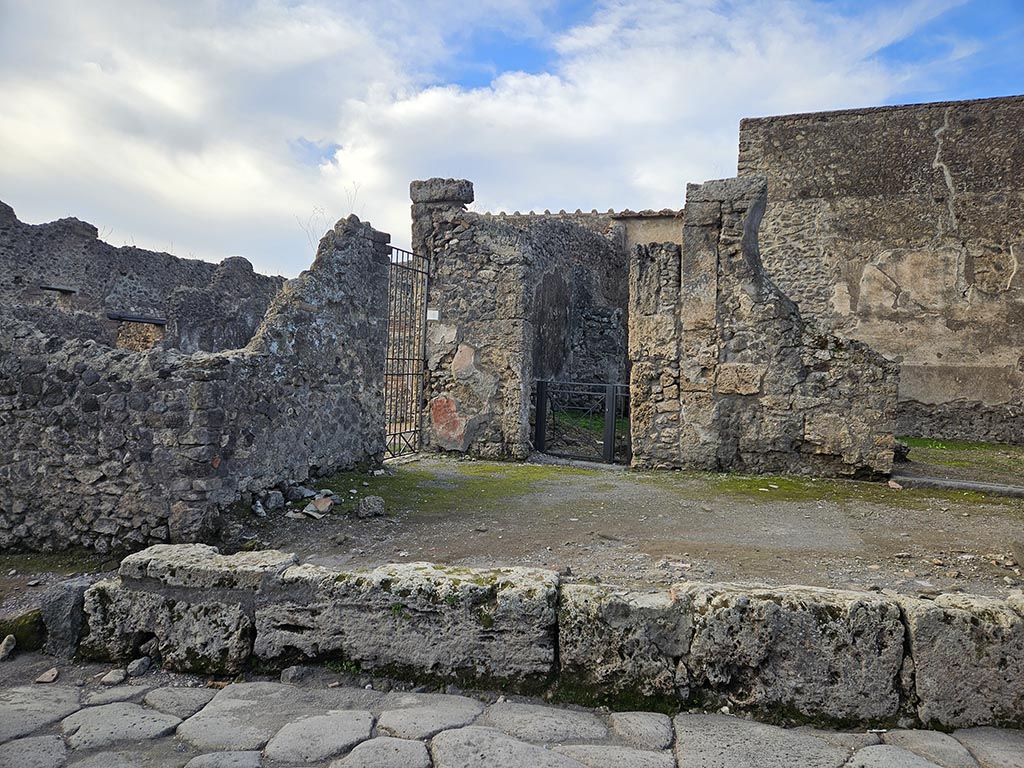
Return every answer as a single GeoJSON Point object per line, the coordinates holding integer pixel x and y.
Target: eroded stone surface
{"type": "Point", "coordinates": [545, 725]}
{"type": "Point", "coordinates": [34, 752]}
{"type": "Point", "coordinates": [245, 716]}
{"type": "Point", "coordinates": [969, 659]}
{"type": "Point", "coordinates": [201, 566]}
{"type": "Point", "coordinates": [886, 756]}
{"type": "Point", "coordinates": [180, 702]}
{"type": "Point", "coordinates": [717, 741]}
{"type": "Point", "coordinates": [994, 747]}
{"type": "Point", "coordinates": [497, 623]}
{"type": "Point", "coordinates": [942, 749]}
{"type": "Point", "coordinates": [599, 756]}
{"type": "Point", "coordinates": [420, 717]}
{"type": "Point", "coordinates": [646, 730]}
{"type": "Point", "coordinates": [98, 727]}
{"type": "Point", "coordinates": [226, 760]}
{"type": "Point", "coordinates": [386, 752]}
{"type": "Point", "coordinates": [486, 746]}
{"type": "Point", "coordinates": [315, 738]}
{"type": "Point", "coordinates": [24, 709]}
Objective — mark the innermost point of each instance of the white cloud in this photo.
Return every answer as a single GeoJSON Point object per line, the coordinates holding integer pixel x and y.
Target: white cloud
{"type": "Point", "coordinates": [178, 122]}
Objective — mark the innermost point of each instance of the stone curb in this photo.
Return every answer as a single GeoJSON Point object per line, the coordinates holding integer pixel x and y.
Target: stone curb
{"type": "Point", "coordinates": [787, 653]}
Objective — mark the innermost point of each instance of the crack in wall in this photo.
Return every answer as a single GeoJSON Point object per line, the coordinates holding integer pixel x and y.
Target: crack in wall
{"type": "Point", "coordinates": [939, 165]}
{"type": "Point", "coordinates": [1013, 272]}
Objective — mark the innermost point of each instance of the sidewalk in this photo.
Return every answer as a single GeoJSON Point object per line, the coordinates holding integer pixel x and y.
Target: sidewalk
{"type": "Point", "coordinates": [159, 720]}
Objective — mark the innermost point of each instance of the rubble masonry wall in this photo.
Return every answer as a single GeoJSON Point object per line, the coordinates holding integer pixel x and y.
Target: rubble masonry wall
{"type": "Point", "coordinates": [726, 374]}
{"type": "Point", "coordinates": [116, 449]}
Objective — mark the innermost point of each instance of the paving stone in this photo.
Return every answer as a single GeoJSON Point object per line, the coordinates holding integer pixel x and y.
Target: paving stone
{"type": "Point", "coordinates": [115, 693]}
{"type": "Point", "coordinates": [718, 741]}
{"type": "Point", "coordinates": [600, 756]}
{"type": "Point", "coordinates": [887, 756]}
{"type": "Point", "coordinates": [646, 730]}
{"type": "Point", "coordinates": [941, 748]}
{"type": "Point", "coordinates": [98, 727]}
{"type": "Point", "coordinates": [106, 760]}
{"type": "Point", "coordinates": [488, 747]}
{"type": "Point", "coordinates": [548, 725]}
{"type": "Point", "coordinates": [226, 760]}
{"type": "Point", "coordinates": [245, 716]}
{"type": "Point", "coordinates": [315, 738]}
{"type": "Point", "coordinates": [425, 716]}
{"type": "Point", "coordinates": [27, 708]}
{"type": "Point", "coordinates": [848, 740]}
{"type": "Point", "coordinates": [994, 747]}
{"type": "Point", "coordinates": [35, 752]}
{"type": "Point", "coordinates": [180, 702]}
{"type": "Point", "coordinates": [386, 752]}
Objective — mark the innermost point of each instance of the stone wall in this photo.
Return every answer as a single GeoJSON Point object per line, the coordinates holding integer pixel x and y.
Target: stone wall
{"type": "Point", "coordinates": [65, 268]}
{"type": "Point", "coordinates": [518, 298]}
{"type": "Point", "coordinates": [784, 653]}
{"type": "Point", "coordinates": [903, 227]}
{"type": "Point", "coordinates": [112, 449]}
{"type": "Point", "coordinates": [726, 375]}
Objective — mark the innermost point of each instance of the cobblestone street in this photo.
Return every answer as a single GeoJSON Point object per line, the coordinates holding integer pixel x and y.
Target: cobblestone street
{"type": "Point", "coordinates": [157, 720]}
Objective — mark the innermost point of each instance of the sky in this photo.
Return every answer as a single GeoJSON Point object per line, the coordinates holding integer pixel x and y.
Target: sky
{"type": "Point", "coordinates": [210, 128]}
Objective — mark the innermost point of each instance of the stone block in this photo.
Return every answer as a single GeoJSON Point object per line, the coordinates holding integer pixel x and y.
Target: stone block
{"type": "Point", "coordinates": [439, 190]}
{"type": "Point", "coordinates": [820, 652]}
{"type": "Point", "coordinates": [430, 620]}
{"type": "Point", "coordinates": [199, 566]}
{"type": "Point", "coordinates": [622, 645]}
{"type": "Point", "coordinates": [740, 378]}
{"type": "Point", "coordinates": [195, 634]}
{"type": "Point", "coordinates": [968, 656]}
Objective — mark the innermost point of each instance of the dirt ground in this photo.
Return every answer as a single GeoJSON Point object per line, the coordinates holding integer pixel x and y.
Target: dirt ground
{"type": "Point", "coordinates": [649, 530]}
{"type": "Point", "coordinates": [645, 530]}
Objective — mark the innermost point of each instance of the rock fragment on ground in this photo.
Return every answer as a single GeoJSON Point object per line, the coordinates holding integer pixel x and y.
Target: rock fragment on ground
{"type": "Point", "coordinates": [49, 676]}
{"type": "Point", "coordinates": [114, 677]}
{"type": "Point", "coordinates": [370, 506]}
{"type": "Point", "coordinates": [7, 647]}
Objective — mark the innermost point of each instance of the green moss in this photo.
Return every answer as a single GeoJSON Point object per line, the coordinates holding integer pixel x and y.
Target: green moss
{"type": "Point", "coordinates": [986, 458]}
{"type": "Point", "coordinates": [28, 630]}
{"type": "Point", "coordinates": [66, 563]}
{"type": "Point", "coordinates": [452, 487]}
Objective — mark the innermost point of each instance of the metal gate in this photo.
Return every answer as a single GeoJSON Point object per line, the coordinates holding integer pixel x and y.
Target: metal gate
{"type": "Point", "coordinates": [405, 363]}
{"type": "Point", "coordinates": [581, 420]}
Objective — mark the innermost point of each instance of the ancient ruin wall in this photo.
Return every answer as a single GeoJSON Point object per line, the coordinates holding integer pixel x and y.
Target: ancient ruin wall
{"type": "Point", "coordinates": [517, 298]}
{"type": "Point", "coordinates": [64, 266]}
{"type": "Point", "coordinates": [726, 375]}
{"type": "Point", "coordinates": [111, 448]}
{"type": "Point", "coordinates": [904, 227]}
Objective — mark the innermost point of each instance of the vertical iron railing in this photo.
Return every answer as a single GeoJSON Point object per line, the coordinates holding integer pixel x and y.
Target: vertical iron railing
{"type": "Point", "coordinates": [404, 366]}
{"type": "Point", "coordinates": [579, 420]}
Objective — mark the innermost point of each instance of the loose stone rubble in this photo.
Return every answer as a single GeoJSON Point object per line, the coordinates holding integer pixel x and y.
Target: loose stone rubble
{"type": "Point", "coordinates": [785, 652]}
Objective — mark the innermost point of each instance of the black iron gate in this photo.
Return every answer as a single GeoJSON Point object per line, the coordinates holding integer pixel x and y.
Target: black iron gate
{"type": "Point", "coordinates": [578, 420]}
{"type": "Point", "coordinates": [405, 364]}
